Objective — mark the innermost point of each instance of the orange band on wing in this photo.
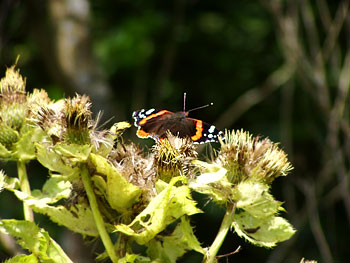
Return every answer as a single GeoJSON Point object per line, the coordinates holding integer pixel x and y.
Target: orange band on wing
{"type": "Point", "coordinates": [143, 121]}
{"type": "Point", "coordinates": [142, 133]}
{"type": "Point", "coordinates": [199, 130]}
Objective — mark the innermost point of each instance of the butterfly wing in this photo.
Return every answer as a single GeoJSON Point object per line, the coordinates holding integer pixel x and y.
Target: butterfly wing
{"type": "Point", "coordinates": [150, 122]}
{"type": "Point", "coordinates": [203, 132]}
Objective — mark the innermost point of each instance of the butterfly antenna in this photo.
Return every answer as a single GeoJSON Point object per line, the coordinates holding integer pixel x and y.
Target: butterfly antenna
{"type": "Point", "coordinates": [201, 107]}
{"type": "Point", "coordinates": [184, 101]}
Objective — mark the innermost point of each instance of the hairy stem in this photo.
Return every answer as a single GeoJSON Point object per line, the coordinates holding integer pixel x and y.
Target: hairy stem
{"type": "Point", "coordinates": [25, 188]}
{"type": "Point", "coordinates": [220, 237]}
{"type": "Point", "coordinates": [106, 240]}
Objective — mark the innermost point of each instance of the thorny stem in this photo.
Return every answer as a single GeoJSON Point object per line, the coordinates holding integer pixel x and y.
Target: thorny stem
{"type": "Point", "coordinates": [25, 188]}
{"type": "Point", "coordinates": [106, 240]}
{"type": "Point", "coordinates": [220, 237]}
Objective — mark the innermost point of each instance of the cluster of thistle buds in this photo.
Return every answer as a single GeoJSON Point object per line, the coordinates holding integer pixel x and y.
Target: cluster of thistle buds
{"type": "Point", "coordinates": [117, 188]}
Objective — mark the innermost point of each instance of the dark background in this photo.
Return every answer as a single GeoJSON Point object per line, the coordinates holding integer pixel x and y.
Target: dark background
{"type": "Point", "coordinates": [279, 69]}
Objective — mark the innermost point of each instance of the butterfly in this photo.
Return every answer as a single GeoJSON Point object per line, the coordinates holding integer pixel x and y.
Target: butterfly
{"type": "Point", "coordinates": [155, 124]}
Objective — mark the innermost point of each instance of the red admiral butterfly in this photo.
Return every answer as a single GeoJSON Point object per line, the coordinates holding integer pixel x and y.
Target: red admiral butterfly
{"type": "Point", "coordinates": [155, 123]}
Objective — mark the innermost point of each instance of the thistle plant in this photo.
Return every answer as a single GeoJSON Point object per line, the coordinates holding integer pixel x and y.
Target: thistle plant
{"type": "Point", "coordinates": [125, 194]}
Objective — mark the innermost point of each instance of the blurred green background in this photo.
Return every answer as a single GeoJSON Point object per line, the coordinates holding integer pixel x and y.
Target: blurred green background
{"type": "Point", "coordinates": [279, 69]}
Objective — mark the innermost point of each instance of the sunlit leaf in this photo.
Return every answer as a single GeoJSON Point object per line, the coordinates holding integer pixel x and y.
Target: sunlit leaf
{"type": "Point", "coordinates": [74, 152]}
{"type": "Point", "coordinates": [172, 203]}
{"type": "Point", "coordinates": [121, 194]}
{"type": "Point", "coordinates": [254, 197]}
{"type": "Point", "coordinates": [35, 239]}
{"type": "Point", "coordinates": [76, 217]}
{"type": "Point", "coordinates": [212, 181]}
{"type": "Point", "coordinates": [54, 161]}
{"type": "Point", "coordinates": [266, 232]}
{"type": "Point", "coordinates": [24, 147]}
{"type": "Point", "coordinates": [23, 259]}
{"type": "Point", "coordinates": [169, 248]}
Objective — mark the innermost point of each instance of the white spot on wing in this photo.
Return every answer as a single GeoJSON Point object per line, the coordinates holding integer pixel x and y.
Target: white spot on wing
{"type": "Point", "coordinates": [211, 129]}
{"type": "Point", "coordinates": [149, 112]}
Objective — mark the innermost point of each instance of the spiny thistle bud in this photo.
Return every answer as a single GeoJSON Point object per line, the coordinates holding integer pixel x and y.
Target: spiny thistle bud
{"type": "Point", "coordinates": [173, 156]}
{"type": "Point", "coordinates": [78, 119]}
{"type": "Point", "coordinates": [12, 99]}
{"type": "Point", "coordinates": [37, 100]}
{"type": "Point", "coordinates": [246, 157]}
{"type": "Point", "coordinates": [8, 136]}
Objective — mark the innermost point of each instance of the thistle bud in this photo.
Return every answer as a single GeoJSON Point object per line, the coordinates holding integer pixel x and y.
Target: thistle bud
{"type": "Point", "coordinates": [246, 157]}
{"type": "Point", "coordinates": [78, 120]}
{"type": "Point", "coordinates": [173, 156]}
{"type": "Point", "coordinates": [12, 99]}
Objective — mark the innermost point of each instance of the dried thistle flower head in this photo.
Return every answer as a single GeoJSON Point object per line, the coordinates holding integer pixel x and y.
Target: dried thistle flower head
{"type": "Point", "coordinates": [78, 119]}
{"type": "Point", "coordinates": [12, 99]}
{"type": "Point", "coordinates": [49, 117]}
{"type": "Point", "coordinates": [245, 156]}
{"type": "Point", "coordinates": [136, 167]}
{"type": "Point", "coordinates": [173, 156]}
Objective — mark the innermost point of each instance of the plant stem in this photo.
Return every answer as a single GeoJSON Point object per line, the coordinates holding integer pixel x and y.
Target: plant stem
{"type": "Point", "coordinates": [106, 240]}
{"type": "Point", "coordinates": [220, 237]}
{"type": "Point", "coordinates": [25, 188]}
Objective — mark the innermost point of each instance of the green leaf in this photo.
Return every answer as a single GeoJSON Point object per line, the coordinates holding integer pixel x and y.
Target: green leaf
{"type": "Point", "coordinates": [24, 147]}
{"type": "Point", "coordinates": [54, 189]}
{"type": "Point", "coordinates": [133, 258]}
{"type": "Point", "coordinates": [23, 259]}
{"type": "Point", "coordinates": [169, 205]}
{"type": "Point", "coordinates": [169, 248]}
{"type": "Point", "coordinates": [120, 194]}
{"type": "Point", "coordinates": [54, 161]}
{"type": "Point", "coordinates": [254, 197]}
{"type": "Point", "coordinates": [35, 239]}
{"type": "Point", "coordinates": [213, 182]}
{"type": "Point", "coordinates": [266, 232]}
{"type": "Point", "coordinates": [74, 152]}
{"type": "Point", "coordinates": [77, 218]}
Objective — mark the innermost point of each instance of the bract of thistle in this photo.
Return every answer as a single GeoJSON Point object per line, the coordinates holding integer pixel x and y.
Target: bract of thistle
{"type": "Point", "coordinates": [78, 120]}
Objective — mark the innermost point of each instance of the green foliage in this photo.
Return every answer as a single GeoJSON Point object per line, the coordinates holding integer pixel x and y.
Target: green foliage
{"type": "Point", "coordinates": [23, 259]}
{"type": "Point", "coordinates": [108, 187]}
{"type": "Point", "coordinates": [36, 240]}
{"type": "Point", "coordinates": [169, 248]}
{"type": "Point", "coordinates": [170, 204]}
{"type": "Point", "coordinates": [127, 193]}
